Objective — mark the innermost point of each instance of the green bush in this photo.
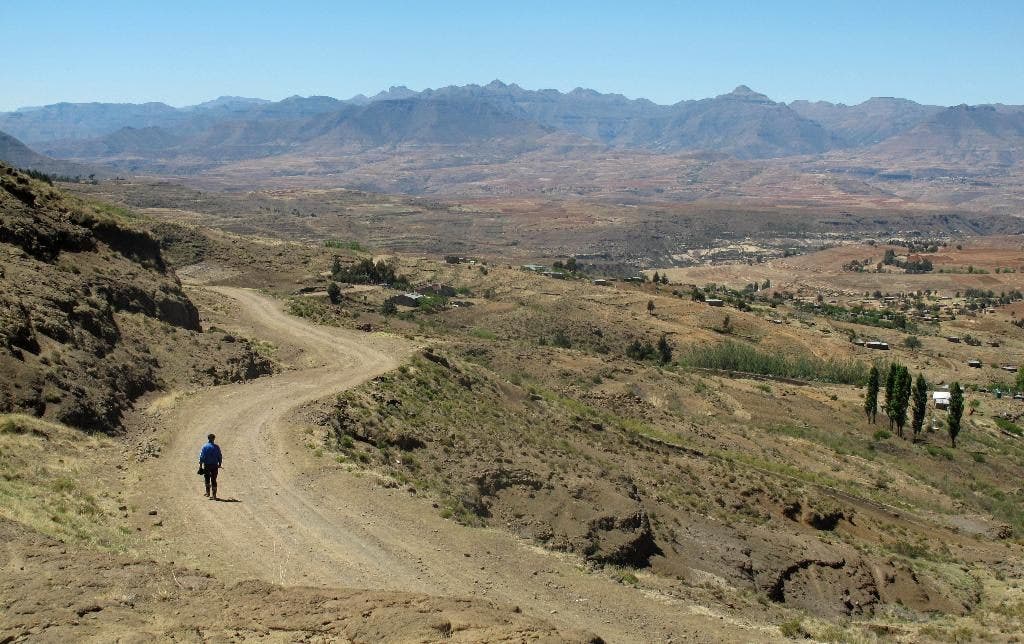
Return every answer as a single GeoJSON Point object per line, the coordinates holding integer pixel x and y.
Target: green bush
{"type": "Point", "coordinates": [560, 339]}
{"type": "Point", "coordinates": [366, 271]}
{"type": "Point", "coordinates": [911, 550]}
{"type": "Point", "coordinates": [350, 245]}
{"type": "Point", "coordinates": [626, 577]}
{"type": "Point", "coordinates": [938, 451]}
{"type": "Point", "coordinates": [483, 334]}
{"type": "Point", "coordinates": [1009, 426]}
{"type": "Point", "coordinates": [793, 628]}
{"type": "Point", "coordinates": [638, 350]}
{"type": "Point", "coordinates": [738, 356]}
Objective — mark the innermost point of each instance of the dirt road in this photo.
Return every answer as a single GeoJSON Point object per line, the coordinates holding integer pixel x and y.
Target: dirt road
{"type": "Point", "coordinates": [297, 519]}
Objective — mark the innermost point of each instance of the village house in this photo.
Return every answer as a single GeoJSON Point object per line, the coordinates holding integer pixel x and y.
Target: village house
{"type": "Point", "coordinates": [442, 290]}
{"type": "Point", "coordinates": [408, 299]}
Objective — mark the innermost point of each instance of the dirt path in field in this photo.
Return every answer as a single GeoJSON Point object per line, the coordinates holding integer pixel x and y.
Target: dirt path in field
{"type": "Point", "coordinates": [297, 519]}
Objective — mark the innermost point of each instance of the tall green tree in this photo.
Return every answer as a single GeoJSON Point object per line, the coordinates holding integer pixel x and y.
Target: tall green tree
{"type": "Point", "coordinates": [664, 350]}
{"type": "Point", "coordinates": [891, 379]}
{"type": "Point", "coordinates": [871, 396]}
{"type": "Point", "coordinates": [920, 403]}
{"type": "Point", "coordinates": [904, 386]}
{"type": "Point", "coordinates": [956, 411]}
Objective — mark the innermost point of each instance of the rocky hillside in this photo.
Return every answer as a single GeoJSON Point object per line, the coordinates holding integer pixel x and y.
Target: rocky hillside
{"type": "Point", "coordinates": [960, 137]}
{"type": "Point", "coordinates": [866, 123]}
{"type": "Point", "coordinates": [89, 311]}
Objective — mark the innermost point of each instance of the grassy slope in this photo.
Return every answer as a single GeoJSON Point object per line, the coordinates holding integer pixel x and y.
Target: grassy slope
{"type": "Point", "coordinates": [57, 481]}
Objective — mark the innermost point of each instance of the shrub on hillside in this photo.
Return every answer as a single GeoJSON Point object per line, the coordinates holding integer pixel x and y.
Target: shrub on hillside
{"type": "Point", "coordinates": [366, 271]}
{"type": "Point", "coordinates": [739, 356]}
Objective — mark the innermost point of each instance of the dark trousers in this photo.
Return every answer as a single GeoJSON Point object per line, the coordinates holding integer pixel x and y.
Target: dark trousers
{"type": "Point", "coordinates": [210, 477]}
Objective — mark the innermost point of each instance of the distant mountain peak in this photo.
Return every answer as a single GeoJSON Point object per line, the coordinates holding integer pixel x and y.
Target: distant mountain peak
{"type": "Point", "coordinates": [744, 93]}
{"type": "Point", "coordinates": [229, 101]}
{"type": "Point", "coordinates": [395, 92]}
{"type": "Point", "coordinates": [495, 84]}
{"type": "Point", "coordinates": [964, 107]}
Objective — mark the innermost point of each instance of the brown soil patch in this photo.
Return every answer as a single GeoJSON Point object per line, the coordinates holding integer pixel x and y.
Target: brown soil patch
{"type": "Point", "coordinates": [49, 594]}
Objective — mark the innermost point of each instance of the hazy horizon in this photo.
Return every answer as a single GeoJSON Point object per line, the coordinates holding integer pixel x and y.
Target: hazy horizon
{"type": "Point", "coordinates": [385, 88]}
{"type": "Point", "coordinates": [109, 51]}
{"type": "Point", "coordinates": [370, 94]}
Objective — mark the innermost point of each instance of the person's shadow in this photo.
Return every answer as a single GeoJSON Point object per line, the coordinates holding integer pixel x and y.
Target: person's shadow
{"type": "Point", "coordinates": [231, 500]}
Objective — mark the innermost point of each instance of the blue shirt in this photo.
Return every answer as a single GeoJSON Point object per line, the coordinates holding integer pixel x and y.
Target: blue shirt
{"type": "Point", "coordinates": [210, 455]}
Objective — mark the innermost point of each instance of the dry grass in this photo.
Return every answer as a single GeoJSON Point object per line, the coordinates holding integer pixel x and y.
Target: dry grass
{"type": "Point", "coordinates": [50, 481]}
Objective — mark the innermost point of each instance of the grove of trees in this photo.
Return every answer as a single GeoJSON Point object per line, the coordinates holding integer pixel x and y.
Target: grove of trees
{"type": "Point", "coordinates": [904, 393]}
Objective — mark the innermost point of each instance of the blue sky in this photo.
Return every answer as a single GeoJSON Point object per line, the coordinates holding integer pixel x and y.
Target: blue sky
{"type": "Point", "coordinates": [184, 52]}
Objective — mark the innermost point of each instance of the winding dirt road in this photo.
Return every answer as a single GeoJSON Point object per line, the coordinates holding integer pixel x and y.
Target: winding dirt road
{"type": "Point", "coordinates": [296, 519]}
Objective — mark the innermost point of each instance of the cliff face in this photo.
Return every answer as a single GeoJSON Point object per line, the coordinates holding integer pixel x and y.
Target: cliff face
{"type": "Point", "coordinates": [83, 297]}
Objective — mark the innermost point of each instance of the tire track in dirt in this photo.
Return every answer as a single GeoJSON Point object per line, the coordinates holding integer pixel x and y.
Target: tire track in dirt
{"type": "Point", "coordinates": [299, 520]}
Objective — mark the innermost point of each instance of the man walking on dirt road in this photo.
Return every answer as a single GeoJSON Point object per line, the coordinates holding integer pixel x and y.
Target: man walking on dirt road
{"type": "Point", "coordinates": [210, 461]}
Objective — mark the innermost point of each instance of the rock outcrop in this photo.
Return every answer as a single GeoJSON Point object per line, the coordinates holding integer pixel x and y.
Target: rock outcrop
{"type": "Point", "coordinates": [74, 280]}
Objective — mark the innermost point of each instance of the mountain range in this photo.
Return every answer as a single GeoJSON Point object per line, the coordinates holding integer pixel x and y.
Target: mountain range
{"type": "Point", "coordinates": [492, 124]}
{"type": "Point", "coordinates": [20, 155]}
